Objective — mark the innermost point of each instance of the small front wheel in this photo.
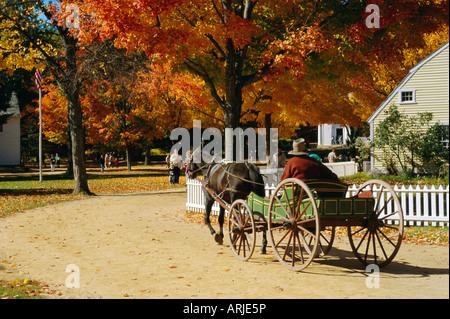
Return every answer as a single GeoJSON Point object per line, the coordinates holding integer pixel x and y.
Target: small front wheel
{"type": "Point", "coordinates": [241, 230]}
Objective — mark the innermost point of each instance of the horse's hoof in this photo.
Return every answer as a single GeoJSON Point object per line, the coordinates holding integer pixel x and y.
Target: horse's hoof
{"type": "Point", "coordinates": [218, 238]}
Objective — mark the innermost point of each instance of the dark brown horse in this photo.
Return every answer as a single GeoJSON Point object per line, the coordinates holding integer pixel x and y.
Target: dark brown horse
{"type": "Point", "coordinates": [229, 181]}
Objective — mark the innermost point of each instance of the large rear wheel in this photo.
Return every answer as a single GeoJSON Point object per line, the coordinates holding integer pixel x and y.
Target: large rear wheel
{"type": "Point", "coordinates": [326, 240]}
{"type": "Point", "coordinates": [378, 240]}
{"type": "Point", "coordinates": [293, 224]}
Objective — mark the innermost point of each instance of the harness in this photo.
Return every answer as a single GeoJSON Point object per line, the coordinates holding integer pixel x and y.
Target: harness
{"type": "Point", "coordinates": [199, 169]}
{"type": "Point", "coordinates": [209, 167]}
{"type": "Point", "coordinates": [226, 169]}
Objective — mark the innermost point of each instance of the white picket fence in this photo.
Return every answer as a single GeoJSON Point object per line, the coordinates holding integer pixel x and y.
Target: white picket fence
{"type": "Point", "coordinates": [422, 206]}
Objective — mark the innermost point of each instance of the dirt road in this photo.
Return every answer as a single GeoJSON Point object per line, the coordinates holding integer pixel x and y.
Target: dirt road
{"type": "Point", "coordinates": [140, 246]}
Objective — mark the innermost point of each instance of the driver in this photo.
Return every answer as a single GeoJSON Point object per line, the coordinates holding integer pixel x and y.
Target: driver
{"type": "Point", "coordinates": [304, 167]}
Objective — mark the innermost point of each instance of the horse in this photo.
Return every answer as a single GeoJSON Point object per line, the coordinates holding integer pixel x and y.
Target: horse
{"type": "Point", "coordinates": [230, 181]}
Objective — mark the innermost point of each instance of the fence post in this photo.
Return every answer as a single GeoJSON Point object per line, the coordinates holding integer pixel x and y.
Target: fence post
{"type": "Point", "coordinates": [410, 211]}
{"type": "Point", "coordinates": [446, 201]}
{"type": "Point", "coordinates": [402, 194]}
{"type": "Point", "coordinates": [418, 203]}
{"type": "Point", "coordinates": [426, 211]}
{"type": "Point", "coordinates": [441, 203]}
{"type": "Point", "coordinates": [433, 213]}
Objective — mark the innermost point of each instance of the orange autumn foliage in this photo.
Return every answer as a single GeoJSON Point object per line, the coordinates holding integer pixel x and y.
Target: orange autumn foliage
{"type": "Point", "coordinates": [124, 112]}
{"type": "Point", "coordinates": [312, 61]}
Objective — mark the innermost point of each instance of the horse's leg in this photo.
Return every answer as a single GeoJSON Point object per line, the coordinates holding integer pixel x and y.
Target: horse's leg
{"type": "Point", "coordinates": [259, 219]}
{"type": "Point", "coordinates": [208, 206]}
{"type": "Point", "coordinates": [219, 237]}
{"type": "Point", "coordinates": [263, 250]}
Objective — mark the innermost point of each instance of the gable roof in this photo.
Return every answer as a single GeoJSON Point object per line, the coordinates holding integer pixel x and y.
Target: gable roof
{"type": "Point", "coordinates": [406, 79]}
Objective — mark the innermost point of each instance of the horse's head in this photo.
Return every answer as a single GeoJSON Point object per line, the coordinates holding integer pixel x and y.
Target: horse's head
{"type": "Point", "coordinates": [199, 161]}
{"type": "Point", "coordinates": [194, 163]}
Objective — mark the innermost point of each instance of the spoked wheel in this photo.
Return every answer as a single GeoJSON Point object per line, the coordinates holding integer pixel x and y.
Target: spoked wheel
{"type": "Point", "coordinates": [378, 240]}
{"type": "Point", "coordinates": [294, 224]}
{"type": "Point", "coordinates": [326, 240]}
{"type": "Point", "coordinates": [241, 230]}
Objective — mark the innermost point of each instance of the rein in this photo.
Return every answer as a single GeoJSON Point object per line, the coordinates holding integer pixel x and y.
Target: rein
{"type": "Point", "coordinates": [198, 169]}
{"type": "Point", "coordinates": [228, 173]}
{"type": "Point", "coordinates": [245, 180]}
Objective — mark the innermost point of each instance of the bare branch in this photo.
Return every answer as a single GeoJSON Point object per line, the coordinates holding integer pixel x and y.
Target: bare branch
{"type": "Point", "coordinates": [216, 45]}
{"type": "Point", "coordinates": [219, 14]}
{"type": "Point", "coordinates": [207, 114]}
{"type": "Point", "coordinates": [200, 71]}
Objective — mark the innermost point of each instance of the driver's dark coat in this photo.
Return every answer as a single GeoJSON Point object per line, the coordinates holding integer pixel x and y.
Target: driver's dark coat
{"type": "Point", "coordinates": [305, 167]}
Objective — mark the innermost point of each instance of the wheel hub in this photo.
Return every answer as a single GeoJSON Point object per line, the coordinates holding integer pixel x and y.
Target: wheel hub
{"type": "Point", "coordinates": [374, 223]}
{"type": "Point", "coordinates": [290, 225]}
{"type": "Point", "coordinates": [237, 230]}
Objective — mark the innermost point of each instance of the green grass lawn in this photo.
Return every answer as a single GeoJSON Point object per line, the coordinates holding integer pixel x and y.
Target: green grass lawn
{"type": "Point", "coordinates": [395, 180]}
{"type": "Point", "coordinates": [20, 193]}
{"type": "Point", "coordinates": [21, 289]}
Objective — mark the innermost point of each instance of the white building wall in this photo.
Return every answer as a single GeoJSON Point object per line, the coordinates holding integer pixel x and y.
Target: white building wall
{"type": "Point", "coordinates": [10, 135]}
{"type": "Point", "coordinates": [327, 131]}
{"type": "Point", "coordinates": [10, 142]}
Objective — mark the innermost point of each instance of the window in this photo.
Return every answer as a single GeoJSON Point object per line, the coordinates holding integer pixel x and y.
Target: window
{"type": "Point", "coordinates": [408, 96]}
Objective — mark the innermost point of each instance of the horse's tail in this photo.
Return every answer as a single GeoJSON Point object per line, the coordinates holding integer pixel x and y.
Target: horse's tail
{"type": "Point", "coordinates": [258, 186]}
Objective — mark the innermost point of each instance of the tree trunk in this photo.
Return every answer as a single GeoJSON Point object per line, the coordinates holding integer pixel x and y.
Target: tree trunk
{"type": "Point", "coordinates": [76, 137]}
{"type": "Point", "coordinates": [232, 105]}
{"type": "Point", "coordinates": [147, 155]}
{"type": "Point", "coordinates": [128, 154]}
{"type": "Point", "coordinates": [232, 120]}
{"type": "Point", "coordinates": [69, 171]}
{"type": "Point", "coordinates": [75, 120]}
{"type": "Point", "coordinates": [268, 125]}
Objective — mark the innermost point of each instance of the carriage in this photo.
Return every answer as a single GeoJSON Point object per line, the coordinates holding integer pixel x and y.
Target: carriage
{"type": "Point", "coordinates": [301, 218]}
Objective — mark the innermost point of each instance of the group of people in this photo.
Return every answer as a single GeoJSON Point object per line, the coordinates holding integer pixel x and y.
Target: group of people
{"type": "Point", "coordinates": [54, 161]}
{"type": "Point", "coordinates": [337, 140]}
{"type": "Point", "coordinates": [279, 158]}
{"type": "Point", "coordinates": [108, 160]}
{"type": "Point", "coordinates": [305, 167]}
{"type": "Point", "coordinates": [333, 157]}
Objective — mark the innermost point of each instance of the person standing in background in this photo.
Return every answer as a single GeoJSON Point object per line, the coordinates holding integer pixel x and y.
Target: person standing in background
{"type": "Point", "coordinates": [332, 158]}
{"type": "Point", "coordinates": [52, 163]}
{"type": "Point", "coordinates": [57, 159]}
{"type": "Point", "coordinates": [102, 162]}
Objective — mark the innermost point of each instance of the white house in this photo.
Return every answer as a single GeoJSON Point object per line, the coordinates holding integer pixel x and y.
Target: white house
{"type": "Point", "coordinates": [328, 134]}
{"type": "Point", "coordinates": [10, 135]}
{"type": "Point", "coordinates": [424, 89]}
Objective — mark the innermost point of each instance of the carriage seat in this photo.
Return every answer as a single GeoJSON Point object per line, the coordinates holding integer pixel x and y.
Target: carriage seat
{"type": "Point", "coordinates": [327, 188]}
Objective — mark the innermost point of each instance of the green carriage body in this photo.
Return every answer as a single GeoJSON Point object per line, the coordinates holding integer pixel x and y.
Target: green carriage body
{"type": "Point", "coordinates": [330, 201]}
